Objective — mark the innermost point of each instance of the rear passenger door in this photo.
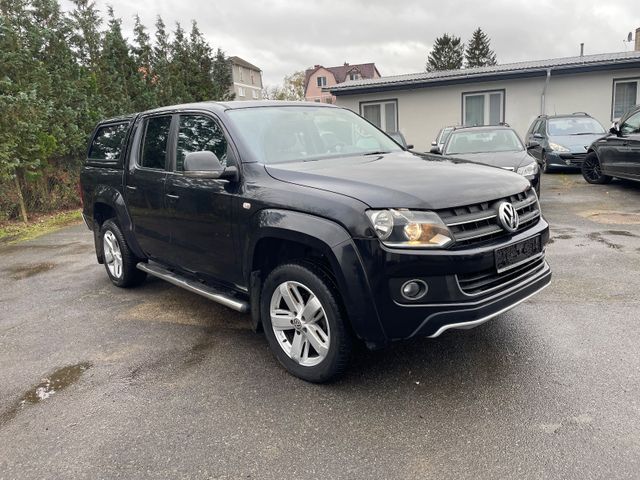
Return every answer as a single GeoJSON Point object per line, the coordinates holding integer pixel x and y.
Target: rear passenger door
{"type": "Point", "coordinates": [144, 186]}
{"type": "Point", "coordinates": [200, 209]}
{"type": "Point", "coordinates": [629, 164]}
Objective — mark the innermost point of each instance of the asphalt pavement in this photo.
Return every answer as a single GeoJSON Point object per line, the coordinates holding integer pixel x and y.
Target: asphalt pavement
{"type": "Point", "coordinates": [155, 382]}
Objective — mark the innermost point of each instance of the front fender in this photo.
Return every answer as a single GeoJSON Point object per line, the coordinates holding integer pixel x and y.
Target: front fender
{"type": "Point", "coordinates": [337, 246]}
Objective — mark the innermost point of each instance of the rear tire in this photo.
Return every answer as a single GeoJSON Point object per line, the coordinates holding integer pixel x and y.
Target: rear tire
{"type": "Point", "coordinates": [591, 170]}
{"type": "Point", "coordinates": [304, 323]}
{"type": "Point", "coordinates": [119, 260]}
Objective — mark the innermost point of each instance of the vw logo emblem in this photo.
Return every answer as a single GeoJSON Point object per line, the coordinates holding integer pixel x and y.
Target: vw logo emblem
{"type": "Point", "coordinates": [508, 217]}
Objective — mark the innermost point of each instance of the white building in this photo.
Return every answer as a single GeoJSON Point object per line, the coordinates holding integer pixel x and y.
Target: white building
{"type": "Point", "coordinates": [418, 105]}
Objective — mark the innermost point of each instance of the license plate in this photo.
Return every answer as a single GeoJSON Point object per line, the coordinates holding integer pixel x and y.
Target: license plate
{"type": "Point", "coordinates": [517, 254]}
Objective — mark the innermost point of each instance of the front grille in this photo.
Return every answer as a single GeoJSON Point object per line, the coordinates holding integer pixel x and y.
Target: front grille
{"type": "Point", "coordinates": [477, 223]}
{"type": "Point", "coordinates": [488, 280]}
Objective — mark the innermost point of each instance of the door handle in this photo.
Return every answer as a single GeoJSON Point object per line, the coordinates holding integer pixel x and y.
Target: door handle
{"type": "Point", "coordinates": [131, 187]}
{"type": "Point", "coordinates": [173, 196]}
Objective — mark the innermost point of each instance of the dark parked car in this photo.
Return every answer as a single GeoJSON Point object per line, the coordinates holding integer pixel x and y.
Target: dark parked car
{"type": "Point", "coordinates": [617, 154]}
{"type": "Point", "coordinates": [562, 140]}
{"type": "Point", "coordinates": [314, 221]}
{"type": "Point", "coordinates": [441, 138]}
{"type": "Point", "coordinates": [498, 146]}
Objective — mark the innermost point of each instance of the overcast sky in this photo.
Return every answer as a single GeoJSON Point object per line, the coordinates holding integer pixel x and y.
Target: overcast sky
{"type": "Point", "coordinates": [282, 36]}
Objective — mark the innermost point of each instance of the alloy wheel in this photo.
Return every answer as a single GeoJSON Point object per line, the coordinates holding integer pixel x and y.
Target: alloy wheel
{"type": "Point", "coordinates": [112, 254]}
{"type": "Point", "coordinates": [300, 323]}
{"type": "Point", "coordinates": [591, 169]}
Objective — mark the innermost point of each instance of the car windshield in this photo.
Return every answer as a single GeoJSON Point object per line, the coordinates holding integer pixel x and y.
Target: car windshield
{"type": "Point", "coordinates": [277, 134]}
{"type": "Point", "coordinates": [483, 141]}
{"type": "Point", "coordinates": [574, 126]}
{"type": "Point", "coordinates": [445, 134]}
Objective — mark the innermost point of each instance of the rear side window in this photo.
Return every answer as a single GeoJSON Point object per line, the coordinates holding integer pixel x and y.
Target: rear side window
{"type": "Point", "coordinates": [108, 142]}
{"type": "Point", "coordinates": [154, 145]}
{"type": "Point", "coordinates": [198, 133]}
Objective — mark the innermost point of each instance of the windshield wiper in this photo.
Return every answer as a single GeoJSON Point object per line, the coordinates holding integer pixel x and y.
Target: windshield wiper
{"type": "Point", "coordinates": [589, 133]}
{"type": "Point", "coordinates": [375, 153]}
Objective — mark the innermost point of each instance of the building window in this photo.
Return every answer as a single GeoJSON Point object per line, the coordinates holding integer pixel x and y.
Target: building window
{"type": "Point", "coordinates": [625, 95]}
{"type": "Point", "coordinates": [317, 100]}
{"type": "Point", "coordinates": [383, 114]}
{"type": "Point", "coordinates": [241, 91]}
{"type": "Point", "coordinates": [355, 76]}
{"type": "Point", "coordinates": [322, 81]}
{"type": "Point", "coordinates": [253, 82]}
{"type": "Point", "coordinates": [255, 95]}
{"type": "Point", "coordinates": [483, 108]}
{"type": "Point", "coordinates": [240, 73]}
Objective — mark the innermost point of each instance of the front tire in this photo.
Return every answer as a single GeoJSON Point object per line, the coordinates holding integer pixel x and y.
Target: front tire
{"type": "Point", "coordinates": [303, 322]}
{"type": "Point", "coordinates": [591, 170]}
{"type": "Point", "coordinates": [119, 260]}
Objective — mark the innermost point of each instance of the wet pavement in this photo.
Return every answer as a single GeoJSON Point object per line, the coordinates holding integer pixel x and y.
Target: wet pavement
{"type": "Point", "coordinates": [156, 382]}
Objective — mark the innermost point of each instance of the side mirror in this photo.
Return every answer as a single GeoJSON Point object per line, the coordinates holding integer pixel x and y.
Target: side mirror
{"type": "Point", "coordinates": [537, 135]}
{"type": "Point", "coordinates": [532, 145]}
{"type": "Point", "coordinates": [615, 128]}
{"type": "Point", "coordinates": [434, 144]}
{"type": "Point", "coordinates": [205, 164]}
{"type": "Point", "coordinates": [409, 147]}
{"type": "Point", "coordinates": [435, 150]}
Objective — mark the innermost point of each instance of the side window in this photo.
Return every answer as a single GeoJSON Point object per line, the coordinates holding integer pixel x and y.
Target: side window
{"type": "Point", "coordinates": [533, 128]}
{"type": "Point", "coordinates": [154, 144]}
{"type": "Point", "coordinates": [108, 142]}
{"type": "Point", "coordinates": [198, 133]}
{"type": "Point", "coordinates": [542, 128]}
{"type": "Point", "coordinates": [631, 125]}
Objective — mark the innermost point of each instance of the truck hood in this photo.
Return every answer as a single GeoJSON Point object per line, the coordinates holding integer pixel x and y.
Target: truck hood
{"type": "Point", "coordinates": [576, 143]}
{"type": "Point", "coordinates": [499, 159]}
{"type": "Point", "coordinates": [403, 180]}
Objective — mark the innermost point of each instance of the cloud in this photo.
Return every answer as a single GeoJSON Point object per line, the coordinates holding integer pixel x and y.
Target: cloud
{"type": "Point", "coordinates": [282, 36]}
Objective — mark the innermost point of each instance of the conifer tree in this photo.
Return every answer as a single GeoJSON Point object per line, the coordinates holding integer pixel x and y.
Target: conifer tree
{"type": "Point", "coordinates": [447, 54]}
{"type": "Point", "coordinates": [478, 52]}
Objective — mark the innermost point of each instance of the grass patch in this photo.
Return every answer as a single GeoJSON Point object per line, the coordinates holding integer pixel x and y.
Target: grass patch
{"type": "Point", "coordinates": [14, 232]}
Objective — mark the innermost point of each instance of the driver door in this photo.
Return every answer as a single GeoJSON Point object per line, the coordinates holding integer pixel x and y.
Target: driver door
{"type": "Point", "coordinates": [200, 210]}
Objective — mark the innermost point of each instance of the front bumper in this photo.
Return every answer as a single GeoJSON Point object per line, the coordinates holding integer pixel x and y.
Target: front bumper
{"type": "Point", "coordinates": [567, 159]}
{"type": "Point", "coordinates": [446, 305]}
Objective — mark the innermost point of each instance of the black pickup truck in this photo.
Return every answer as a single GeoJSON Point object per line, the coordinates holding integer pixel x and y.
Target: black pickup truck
{"type": "Point", "coordinates": [313, 220]}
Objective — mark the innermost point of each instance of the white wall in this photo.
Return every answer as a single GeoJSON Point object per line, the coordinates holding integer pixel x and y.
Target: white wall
{"type": "Point", "coordinates": [422, 112]}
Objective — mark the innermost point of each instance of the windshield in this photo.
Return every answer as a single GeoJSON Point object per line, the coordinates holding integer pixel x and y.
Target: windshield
{"type": "Point", "coordinates": [445, 134]}
{"type": "Point", "coordinates": [289, 133]}
{"type": "Point", "coordinates": [483, 141]}
{"type": "Point", "coordinates": [574, 126]}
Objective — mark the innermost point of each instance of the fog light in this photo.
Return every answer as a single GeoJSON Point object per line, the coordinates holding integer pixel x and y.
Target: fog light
{"type": "Point", "coordinates": [414, 289]}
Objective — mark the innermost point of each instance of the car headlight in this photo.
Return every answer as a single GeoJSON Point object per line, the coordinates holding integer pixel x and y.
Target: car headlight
{"type": "Point", "coordinates": [527, 170]}
{"type": "Point", "coordinates": [558, 148]}
{"type": "Point", "coordinates": [409, 228]}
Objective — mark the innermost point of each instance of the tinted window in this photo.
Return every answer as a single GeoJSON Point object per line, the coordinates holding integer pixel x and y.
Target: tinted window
{"type": "Point", "coordinates": [542, 128]}
{"type": "Point", "coordinates": [108, 142]}
{"type": "Point", "coordinates": [198, 133]}
{"type": "Point", "coordinates": [631, 125]}
{"type": "Point", "coordinates": [154, 147]}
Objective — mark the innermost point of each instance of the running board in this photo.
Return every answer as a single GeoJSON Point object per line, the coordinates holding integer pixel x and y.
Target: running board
{"type": "Point", "coordinates": [195, 287]}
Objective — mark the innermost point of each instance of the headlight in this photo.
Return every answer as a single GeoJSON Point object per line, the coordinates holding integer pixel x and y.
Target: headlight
{"type": "Point", "coordinates": [558, 148]}
{"type": "Point", "coordinates": [530, 169]}
{"type": "Point", "coordinates": [409, 229]}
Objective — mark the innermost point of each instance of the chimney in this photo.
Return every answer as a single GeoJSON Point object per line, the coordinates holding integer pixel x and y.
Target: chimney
{"type": "Point", "coordinates": [346, 64]}
{"type": "Point", "coordinates": [582, 49]}
{"type": "Point", "coordinates": [637, 40]}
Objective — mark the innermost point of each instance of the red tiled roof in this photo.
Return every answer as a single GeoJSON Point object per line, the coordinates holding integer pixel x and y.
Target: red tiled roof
{"type": "Point", "coordinates": [366, 70]}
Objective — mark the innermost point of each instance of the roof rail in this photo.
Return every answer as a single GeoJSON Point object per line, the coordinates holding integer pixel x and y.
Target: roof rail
{"type": "Point", "coordinates": [581, 113]}
{"type": "Point", "coordinates": [504, 124]}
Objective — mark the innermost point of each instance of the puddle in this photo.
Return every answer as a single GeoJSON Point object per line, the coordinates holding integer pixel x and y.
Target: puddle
{"type": "Point", "coordinates": [612, 217]}
{"type": "Point", "coordinates": [56, 382]}
{"type": "Point", "coordinates": [597, 237]}
{"type": "Point", "coordinates": [19, 272]}
{"type": "Point", "coordinates": [622, 233]}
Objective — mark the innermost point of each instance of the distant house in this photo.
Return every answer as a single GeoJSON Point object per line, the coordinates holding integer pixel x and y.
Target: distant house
{"type": "Point", "coordinates": [419, 104]}
{"type": "Point", "coordinates": [318, 78]}
{"type": "Point", "coordinates": [247, 79]}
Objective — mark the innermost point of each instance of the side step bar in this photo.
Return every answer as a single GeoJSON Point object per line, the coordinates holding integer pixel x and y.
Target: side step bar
{"type": "Point", "coordinates": [195, 287]}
